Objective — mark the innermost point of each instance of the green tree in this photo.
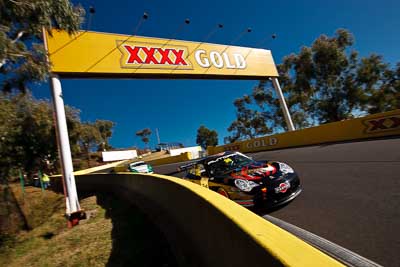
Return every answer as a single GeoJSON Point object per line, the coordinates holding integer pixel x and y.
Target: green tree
{"type": "Point", "coordinates": [323, 83]}
{"type": "Point", "coordinates": [9, 132]}
{"type": "Point", "coordinates": [27, 133]}
{"type": "Point", "coordinates": [328, 82]}
{"type": "Point", "coordinates": [22, 56]}
{"type": "Point", "coordinates": [381, 84]}
{"type": "Point", "coordinates": [73, 125]}
{"type": "Point", "coordinates": [105, 129]}
{"type": "Point", "coordinates": [206, 137]}
{"type": "Point", "coordinates": [144, 135]}
{"type": "Point", "coordinates": [249, 123]}
{"type": "Point", "coordinates": [89, 139]}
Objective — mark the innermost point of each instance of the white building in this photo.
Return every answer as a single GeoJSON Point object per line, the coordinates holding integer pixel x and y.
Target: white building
{"type": "Point", "coordinates": [119, 155]}
{"type": "Point", "coordinates": [194, 150]}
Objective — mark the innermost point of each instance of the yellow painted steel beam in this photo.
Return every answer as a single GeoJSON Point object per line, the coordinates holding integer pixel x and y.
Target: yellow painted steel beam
{"type": "Point", "coordinates": [96, 54]}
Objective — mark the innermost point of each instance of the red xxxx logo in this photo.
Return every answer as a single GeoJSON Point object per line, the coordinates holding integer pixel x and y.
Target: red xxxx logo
{"type": "Point", "coordinates": [146, 56]}
{"type": "Point", "coordinates": [383, 124]}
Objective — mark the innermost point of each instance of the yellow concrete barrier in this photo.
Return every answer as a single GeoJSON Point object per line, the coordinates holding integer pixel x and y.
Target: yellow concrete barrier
{"type": "Point", "coordinates": [122, 166]}
{"type": "Point", "coordinates": [174, 159]}
{"type": "Point", "coordinates": [372, 126]}
{"type": "Point", "coordinates": [104, 168]}
{"type": "Point", "coordinates": [205, 228]}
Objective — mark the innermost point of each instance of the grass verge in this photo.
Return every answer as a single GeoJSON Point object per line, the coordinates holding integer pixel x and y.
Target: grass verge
{"type": "Point", "coordinates": [114, 234]}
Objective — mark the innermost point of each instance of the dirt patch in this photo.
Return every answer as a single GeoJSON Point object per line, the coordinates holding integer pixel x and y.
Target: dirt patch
{"type": "Point", "coordinates": [11, 218]}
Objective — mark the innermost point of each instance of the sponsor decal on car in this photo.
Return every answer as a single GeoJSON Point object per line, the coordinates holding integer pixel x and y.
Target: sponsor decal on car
{"type": "Point", "coordinates": [256, 173]}
{"type": "Point", "coordinates": [220, 158]}
{"type": "Point", "coordinates": [259, 172]}
{"type": "Point", "coordinates": [266, 170]}
{"type": "Point", "coordinates": [382, 124]}
{"type": "Point", "coordinates": [282, 188]}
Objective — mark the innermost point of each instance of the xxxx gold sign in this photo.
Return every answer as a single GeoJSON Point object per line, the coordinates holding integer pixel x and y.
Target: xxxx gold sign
{"type": "Point", "coordinates": [94, 54]}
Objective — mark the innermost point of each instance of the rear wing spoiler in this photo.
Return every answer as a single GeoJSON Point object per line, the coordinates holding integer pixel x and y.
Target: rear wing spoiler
{"type": "Point", "coordinates": [187, 166]}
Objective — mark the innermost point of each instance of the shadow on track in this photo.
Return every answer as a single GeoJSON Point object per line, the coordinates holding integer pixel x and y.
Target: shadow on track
{"type": "Point", "coordinates": [261, 211]}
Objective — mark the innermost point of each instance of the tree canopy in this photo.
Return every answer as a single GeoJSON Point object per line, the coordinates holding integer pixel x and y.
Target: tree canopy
{"type": "Point", "coordinates": [249, 123]}
{"type": "Point", "coordinates": [22, 55]}
{"type": "Point", "coordinates": [323, 83]}
{"type": "Point", "coordinates": [144, 135]}
{"type": "Point", "coordinates": [206, 137]}
{"type": "Point", "coordinates": [90, 138]}
{"type": "Point", "coordinates": [105, 129]}
{"type": "Point", "coordinates": [27, 134]}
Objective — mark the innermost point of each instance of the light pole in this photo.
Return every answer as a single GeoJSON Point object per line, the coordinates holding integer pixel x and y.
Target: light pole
{"type": "Point", "coordinates": [282, 101]}
{"type": "Point", "coordinates": [280, 96]}
{"type": "Point", "coordinates": [73, 209]}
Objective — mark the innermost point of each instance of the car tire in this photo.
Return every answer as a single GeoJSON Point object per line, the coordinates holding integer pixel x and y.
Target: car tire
{"type": "Point", "coordinates": [223, 192]}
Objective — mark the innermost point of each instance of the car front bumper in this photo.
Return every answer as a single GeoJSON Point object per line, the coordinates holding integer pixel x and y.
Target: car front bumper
{"type": "Point", "coordinates": [273, 198]}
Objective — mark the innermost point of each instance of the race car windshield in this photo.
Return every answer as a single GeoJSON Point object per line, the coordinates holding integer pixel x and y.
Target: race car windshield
{"type": "Point", "coordinates": [135, 164]}
{"type": "Point", "coordinates": [228, 163]}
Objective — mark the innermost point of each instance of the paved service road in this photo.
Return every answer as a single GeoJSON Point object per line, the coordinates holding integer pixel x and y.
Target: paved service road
{"type": "Point", "coordinates": [351, 195]}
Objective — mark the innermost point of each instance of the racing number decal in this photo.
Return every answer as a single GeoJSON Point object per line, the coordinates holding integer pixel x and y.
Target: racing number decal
{"type": "Point", "coordinates": [204, 182]}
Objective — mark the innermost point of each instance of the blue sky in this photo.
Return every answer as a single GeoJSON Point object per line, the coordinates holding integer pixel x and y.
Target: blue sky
{"type": "Point", "coordinates": [178, 107]}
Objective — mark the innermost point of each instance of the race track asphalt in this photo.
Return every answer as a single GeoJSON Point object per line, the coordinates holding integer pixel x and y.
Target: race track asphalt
{"type": "Point", "coordinates": [351, 195]}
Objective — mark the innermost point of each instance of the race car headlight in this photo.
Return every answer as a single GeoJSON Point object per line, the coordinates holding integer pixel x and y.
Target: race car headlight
{"type": "Point", "coordinates": [245, 185]}
{"type": "Point", "coordinates": [284, 168]}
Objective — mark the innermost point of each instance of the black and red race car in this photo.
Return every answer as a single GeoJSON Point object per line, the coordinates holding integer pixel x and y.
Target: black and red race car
{"type": "Point", "coordinates": [245, 181]}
